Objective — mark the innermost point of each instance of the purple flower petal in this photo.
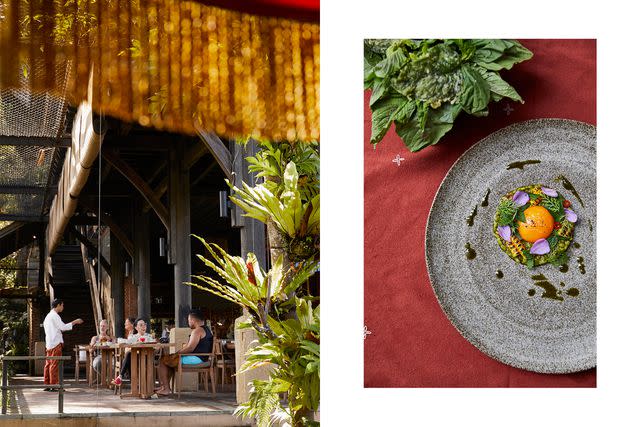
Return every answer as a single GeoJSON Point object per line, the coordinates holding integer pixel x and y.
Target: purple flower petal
{"type": "Point", "coordinates": [570, 215]}
{"type": "Point", "coordinates": [520, 198]}
{"type": "Point", "coordinates": [549, 191]}
{"type": "Point", "coordinates": [540, 247]}
{"type": "Point", "coordinates": [505, 232]}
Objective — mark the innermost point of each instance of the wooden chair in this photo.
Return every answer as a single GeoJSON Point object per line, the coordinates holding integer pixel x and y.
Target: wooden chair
{"type": "Point", "coordinates": [78, 349]}
{"type": "Point", "coordinates": [205, 368]}
{"type": "Point", "coordinates": [224, 360]}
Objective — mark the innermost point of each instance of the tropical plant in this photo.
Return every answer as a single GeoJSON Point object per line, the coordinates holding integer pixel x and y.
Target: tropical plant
{"type": "Point", "coordinates": [272, 159]}
{"type": "Point", "coordinates": [296, 217]}
{"type": "Point", "coordinates": [290, 345]}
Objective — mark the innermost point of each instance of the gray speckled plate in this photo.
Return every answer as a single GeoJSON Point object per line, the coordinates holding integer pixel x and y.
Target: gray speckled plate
{"type": "Point", "coordinates": [498, 316]}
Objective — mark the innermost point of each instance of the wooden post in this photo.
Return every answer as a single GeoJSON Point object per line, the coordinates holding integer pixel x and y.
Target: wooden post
{"type": "Point", "coordinates": [142, 261]}
{"type": "Point", "coordinates": [179, 231]}
{"type": "Point", "coordinates": [60, 385]}
{"type": "Point", "coordinates": [117, 284]}
{"type": "Point", "coordinates": [252, 239]}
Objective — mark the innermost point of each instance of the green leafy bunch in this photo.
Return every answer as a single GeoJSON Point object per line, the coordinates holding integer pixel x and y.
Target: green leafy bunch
{"type": "Point", "coordinates": [423, 85]}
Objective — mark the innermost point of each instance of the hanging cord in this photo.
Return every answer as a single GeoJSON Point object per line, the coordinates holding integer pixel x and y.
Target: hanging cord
{"type": "Point", "coordinates": [99, 275]}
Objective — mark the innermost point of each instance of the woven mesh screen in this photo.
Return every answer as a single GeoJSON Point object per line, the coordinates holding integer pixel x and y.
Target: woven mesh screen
{"type": "Point", "coordinates": [21, 204]}
{"type": "Point", "coordinates": [25, 165]}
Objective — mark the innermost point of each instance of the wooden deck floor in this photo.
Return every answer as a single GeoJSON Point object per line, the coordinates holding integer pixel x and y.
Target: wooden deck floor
{"type": "Point", "coordinates": [82, 403]}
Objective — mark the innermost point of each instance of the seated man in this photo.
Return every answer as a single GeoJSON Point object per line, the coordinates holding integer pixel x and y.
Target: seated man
{"type": "Point", "coordinates": [200, 341]}
{"type": "Point", "coordinates": [101, 338]}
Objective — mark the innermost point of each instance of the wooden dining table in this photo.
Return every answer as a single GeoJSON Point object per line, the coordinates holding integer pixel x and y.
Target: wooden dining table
{"type": "Point", "coordinates": [142, 367]}
{"type": "Point", "coordinates": [106, 365]}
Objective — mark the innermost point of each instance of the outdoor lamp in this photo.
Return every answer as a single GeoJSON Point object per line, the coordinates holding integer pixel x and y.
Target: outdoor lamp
{"type": "Point", "coordinates": [224, 204]}
{"type": "Point", "coordinates": [127, 266]}
{"type": "Point", "coordinates": [163, 246]}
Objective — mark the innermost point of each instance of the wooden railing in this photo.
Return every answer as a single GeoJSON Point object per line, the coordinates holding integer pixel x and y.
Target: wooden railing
{"type": "Point", "coordinates": [6, 386]}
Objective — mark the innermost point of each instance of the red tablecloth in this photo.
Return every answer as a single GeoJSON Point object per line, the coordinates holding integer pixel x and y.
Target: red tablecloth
{"type": "Point", "coordinates": [411, 342]}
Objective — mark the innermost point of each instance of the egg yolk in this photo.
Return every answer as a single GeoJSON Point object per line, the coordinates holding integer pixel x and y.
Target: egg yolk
{"type": "Point", "coordinates": [538, 225]}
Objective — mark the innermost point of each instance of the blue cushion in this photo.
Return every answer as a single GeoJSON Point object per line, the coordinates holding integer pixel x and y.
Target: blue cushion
{"type": "Point", "coordinates": [191, 360]}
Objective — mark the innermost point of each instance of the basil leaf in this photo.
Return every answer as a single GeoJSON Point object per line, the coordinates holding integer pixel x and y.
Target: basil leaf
{"type": "Point", "coordinates": [474, 96]}
{"type": "Point", "coordinates": [391, 64]}
{"type": "Point", "coordinates": [499, 86]}
{"type": "Point", "coordinates": [381, 115]}
{"type": "Point", "coordinates": [511, 53]}
{"type": "Point", "coordinates": [379, 89]}
{"type": "Point", "coordinates": [403, 114]}
{"type": "Point", "coordinates": [415, 137]}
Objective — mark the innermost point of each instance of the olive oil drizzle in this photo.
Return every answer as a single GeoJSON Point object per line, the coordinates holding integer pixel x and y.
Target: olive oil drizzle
{"type": "Point", "coordinates": [550, 291]}
{"type": "Point", "coordinates": [576, 245]}
{"type": "Point", "coordinates": [566, 184]}
{"type": "Point", "coordinates": [470, 252]}
{"type": "Point", "coordinates": [485, 201]}
{"type": "Point", "coordinates": [522, 164]}
{"type": "Point", "coordinates": [472, 216]}
{"type": "Point", "coordinates": [573, 292]}
{"type": "Point", "coordinates": [499, 274]}
{"type": "Point", "coordinates": [581, 265]}
{"type": "Point", "coordinates": [564, 268]}
{"type": "Point", "coordinates": [532, 292]}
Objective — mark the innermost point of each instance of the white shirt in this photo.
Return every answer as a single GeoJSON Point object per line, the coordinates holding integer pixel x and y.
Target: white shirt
{"type": "Point", "coordinates": [53, 328]}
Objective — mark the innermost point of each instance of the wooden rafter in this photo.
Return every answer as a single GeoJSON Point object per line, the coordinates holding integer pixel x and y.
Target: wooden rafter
{"type": "Point", "coordinates": [140, 184]}
{"type": "Point", "coordinates": [117, 231]}
{"type": "Point", "coordinates": [91, 247]}
{"type": "Point", "coordinates": [191, 157]}
{"type": "Point", "coordinates": [218, 150]}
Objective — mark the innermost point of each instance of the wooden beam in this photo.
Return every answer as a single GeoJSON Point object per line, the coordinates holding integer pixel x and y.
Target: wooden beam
{"type": "Point", "coordinates": [191, 157]}
{"type": "Point", "coordinates": [18, 293]}
{"type": "Point", "coordinates": [217, 148]}
{"type": "Point", "coordinates": [117, 285]}
{"type": "Point", "coordinates": [92, 248]}
{"type": "Point", "coordinates": [142, 261]}
{"type": "Point", "coordinates": [22, 189]}
{"type": "Point", "coordinates": [179, 253]}
{"type": "Point", "coordinates": [23, 218]}
{"type": "Point", "coordinates": [90, 277]}
{"type": "Point", "coordinates": [34, 141]}
{"type": "Point", "coordinates": [111, 223]}
{"type": "Point", "coordinates": [140, 184]}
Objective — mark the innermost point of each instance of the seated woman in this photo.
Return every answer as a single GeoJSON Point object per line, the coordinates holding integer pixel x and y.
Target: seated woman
{"type": "Point", "coordinates": [101, 338]}
{"type": "Point", "coordinates": [129, 331]}
{"type": "Point", "coordinates": [200, 341]}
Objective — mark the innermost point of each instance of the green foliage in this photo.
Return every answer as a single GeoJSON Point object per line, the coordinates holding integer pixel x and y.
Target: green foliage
{"type": "Point", "coordinates": [552, 204]}
{"type": "Point", "coordinates": [506, 212]}
{"type": "Point", "coordinates": [295, 216]}
{"type": "Point", "coordinates": [287, 325]}
{"type": "Point", "coordinates": [422, 85]}
{"type": "Point", "coordinates": [246, 283]}
{"type": "Point", "coordinates": [288, 344]}
{"type": "Point", "coordinates": [273, 158]}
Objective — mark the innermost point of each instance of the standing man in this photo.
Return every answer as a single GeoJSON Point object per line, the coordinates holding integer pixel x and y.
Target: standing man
{"type": "Point", "coordinates": [53, 329]}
